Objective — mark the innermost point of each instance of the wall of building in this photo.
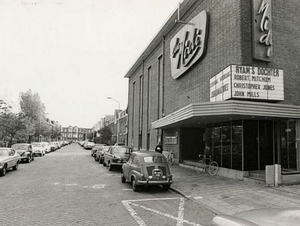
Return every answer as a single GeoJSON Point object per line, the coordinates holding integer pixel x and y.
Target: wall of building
{"type": "Point", "coordinates": [229, 42]}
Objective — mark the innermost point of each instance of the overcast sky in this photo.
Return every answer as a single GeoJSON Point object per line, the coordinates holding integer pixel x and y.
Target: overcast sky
{"type": "Point", "coordinates": [75, 53]}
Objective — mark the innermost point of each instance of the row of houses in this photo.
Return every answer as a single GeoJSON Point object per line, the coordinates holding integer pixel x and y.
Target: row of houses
{"type": "Point", "coordinates": [118, 124]}
{"type": "Point", "coordinates": [74, 133]}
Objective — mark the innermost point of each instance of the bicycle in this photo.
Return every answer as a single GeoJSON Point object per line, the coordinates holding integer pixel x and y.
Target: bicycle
{"type": "Point", "coordinates": [212, 167]}
{"type": "Point", "coordinates": [170, 157]}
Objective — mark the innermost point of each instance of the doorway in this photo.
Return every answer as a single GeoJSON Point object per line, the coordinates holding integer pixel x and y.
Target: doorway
{"type": "Point", "coordinates": [259, 149]}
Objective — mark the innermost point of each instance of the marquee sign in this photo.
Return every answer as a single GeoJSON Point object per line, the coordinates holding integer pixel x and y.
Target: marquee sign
{"type": "Point", "coordinates": [247, 82]}
{"type": "Point", "coordinates": [188, 45]}
{"type": "Point", "coordinates": [262, 30]}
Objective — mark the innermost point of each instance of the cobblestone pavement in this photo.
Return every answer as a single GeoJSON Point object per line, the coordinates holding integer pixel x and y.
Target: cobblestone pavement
{"type": "Point", "coordinates": [68, 187]}
{"type": "Point", "coordinates": [228, 196]}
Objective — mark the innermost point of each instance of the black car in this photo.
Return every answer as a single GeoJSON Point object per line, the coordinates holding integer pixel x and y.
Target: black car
{"type": "Point", "coordinates": [116, 156]}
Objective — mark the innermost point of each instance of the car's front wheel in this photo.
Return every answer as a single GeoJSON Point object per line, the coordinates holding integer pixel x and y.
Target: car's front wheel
{"type": "Point", "coordinates": [110, 167]}
{"type": "Point", "coordinates": [3, 171]}
{"type": "Point", "coordinates": [123, 179]}
{"type": "Point", "coordinates": [28, 159]}
{"type": "Point", "coordinates": [135, 187]}
{"type": "Point", "coordinates": [166, 187]}
{"type": "Point", "coordinates": [16, 166]}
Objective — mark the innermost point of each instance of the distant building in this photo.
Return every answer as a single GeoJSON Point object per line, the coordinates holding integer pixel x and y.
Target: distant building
{"type": "Point", "coordinates": [74, 133]}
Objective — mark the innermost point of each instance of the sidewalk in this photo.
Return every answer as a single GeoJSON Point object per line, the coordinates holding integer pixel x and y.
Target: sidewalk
{"type": "Point", "coordinates": [228, 196]}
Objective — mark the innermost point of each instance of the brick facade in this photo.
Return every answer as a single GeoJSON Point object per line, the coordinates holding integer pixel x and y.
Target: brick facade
{"type": "Point", "coordinates": [154, 94]}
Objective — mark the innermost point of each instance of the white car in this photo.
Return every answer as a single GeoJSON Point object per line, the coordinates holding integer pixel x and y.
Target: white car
{"type": "Point", "coordinates": [89, 145]}
{"type": "Point", "coordinates": [38, 149]}
{"type": "Point", "coordinates": [46, 147]}
{"type": "Point", "coordinates": [9, 158]}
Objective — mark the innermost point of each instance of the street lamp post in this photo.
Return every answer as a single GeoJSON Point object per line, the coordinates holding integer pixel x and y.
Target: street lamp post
{"type": "Point", "coordinates": [118, 119]}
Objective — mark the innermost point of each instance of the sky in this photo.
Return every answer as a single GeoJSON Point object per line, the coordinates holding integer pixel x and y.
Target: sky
{"type": "Point", "coordinates": [75, 53]}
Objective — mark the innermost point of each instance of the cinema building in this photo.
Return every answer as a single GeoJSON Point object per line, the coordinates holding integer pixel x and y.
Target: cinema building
{"type": "Point", "coordinates": [222, 78]}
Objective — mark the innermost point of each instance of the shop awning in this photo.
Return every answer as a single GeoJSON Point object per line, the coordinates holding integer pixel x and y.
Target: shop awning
{"type": "Point", "coordinates": [199, 114]}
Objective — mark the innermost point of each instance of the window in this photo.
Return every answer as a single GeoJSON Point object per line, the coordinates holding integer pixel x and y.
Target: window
{"type": "Point", "coordinates": [224, 143]}
{"type": "Point", "coordinates": [154, 159]}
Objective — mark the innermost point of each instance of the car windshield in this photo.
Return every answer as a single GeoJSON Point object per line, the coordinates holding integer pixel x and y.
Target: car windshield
{"type": "Point", "coordinates": [3, 153]}
{"type": "Point", "coordinates": [36, 145]}
{"type": "Point", "coordinates": [19, 146]}
{"type": "Point", "coordinates": [105, 148]}
{"type": "Point", "coordinates": [154, 159]}
{"type": "Point", "coordinates": [121, 150]}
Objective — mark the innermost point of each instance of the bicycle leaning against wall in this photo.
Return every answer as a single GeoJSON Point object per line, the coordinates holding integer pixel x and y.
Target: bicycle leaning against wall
{"type": "Point", "coordinates": [207, 164]}
{"type": "Point", "coordinates": [170, 157]}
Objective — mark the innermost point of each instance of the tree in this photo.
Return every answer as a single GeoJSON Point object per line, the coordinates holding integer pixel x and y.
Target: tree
{"type": "Point", "coordinates": [105, 135]}
{"type": "Point", "coordinates": [11, 124]}
{"type": "Point", "coordinates": [55, 132]}
{"type": "Point", "coordinates": [34, 111]}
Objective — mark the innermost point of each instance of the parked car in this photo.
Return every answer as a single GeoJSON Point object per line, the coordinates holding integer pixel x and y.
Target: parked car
{"type": "Point", "coordinates": [25, 151]}
{"type": "Point", "coordinates": [88, 145]}
{"type": "Point", "coordinates": [9, 158]}
{"type": "Point", "coordinates": [38, 149]}
{"type": "Point", "coordinates": [46, 147]}
{"type": "Point", "coordinates": [147, 168]}
{"type": "Point", "coordinates": [116, 156]}
{"type": "Point", "coordinates": [95, 149]}
{"type": "Point", "coordinates": [53, 146]}
{"type": "Point", "coordinates": [99, 155]}
{"type": "Point", "coordinates": [260, 217]}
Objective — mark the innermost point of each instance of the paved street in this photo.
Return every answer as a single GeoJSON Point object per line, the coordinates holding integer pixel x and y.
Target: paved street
{"type": "Point", "coordinates": [68, 187]}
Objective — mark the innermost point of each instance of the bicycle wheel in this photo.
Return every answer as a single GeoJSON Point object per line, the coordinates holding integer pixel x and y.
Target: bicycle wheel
{"type": "Point", "coordinates": [213, 168]}
{"type": "Point", "coordinates": [171, 160]}
{"type": "Point", "coordinates": [201, 166]}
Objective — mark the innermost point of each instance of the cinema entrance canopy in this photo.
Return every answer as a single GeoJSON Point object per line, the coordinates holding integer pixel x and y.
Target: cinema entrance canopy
{"type": "Point", "coordinates": [200, 114]}
{"type": "Point", "coordinates": [240, 135]}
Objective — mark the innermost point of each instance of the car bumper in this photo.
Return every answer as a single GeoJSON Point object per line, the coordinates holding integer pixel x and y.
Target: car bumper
{"type": "Point", "coordinates": [24, 157]}
{"type": "Point", "coordinates": [154, 182]}
{"type": "Point", "coordinates": [117, 163]}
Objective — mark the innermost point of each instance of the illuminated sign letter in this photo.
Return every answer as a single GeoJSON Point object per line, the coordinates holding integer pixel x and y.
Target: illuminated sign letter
{"type": "Point", "coordinates": [188, 45]}
{"type": "Point", "coordinates": [262, 30]}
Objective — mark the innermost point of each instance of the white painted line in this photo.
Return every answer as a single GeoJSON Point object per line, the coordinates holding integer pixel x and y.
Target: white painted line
{"type": "Point", "coordinates": [198, 197]}
{"type": "Point", "coordinates": [74, 184]}
{"type": "Point", "coordinates": [165, 214]}
{"type": "Point", "coordinates": [127, 189]}
{"type": "Point", "coordinates": [180, 213]}
{"type": "Point", "coordinates": [134, 214]}
{"type": "Point", "coordinates": [155, 199]}
{"type": "Point", "coordinates": [98, 186]}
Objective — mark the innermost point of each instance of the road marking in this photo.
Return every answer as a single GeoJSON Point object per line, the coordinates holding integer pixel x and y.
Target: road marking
{"type": "Point", "coordinates": [180, 220]}
{"type": "Point", "coordinates": [98, 186]}
{"type": "Point", "coordinates": [134, 214]}
{"type": "Point", "coordinates": [198, 197]}
{"type": "Point", "coordinates": [180, 213]}
{"type": "Point", "coordinates": [127, 189]}
{"type": "Point", "coordinates": [74, 184]}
